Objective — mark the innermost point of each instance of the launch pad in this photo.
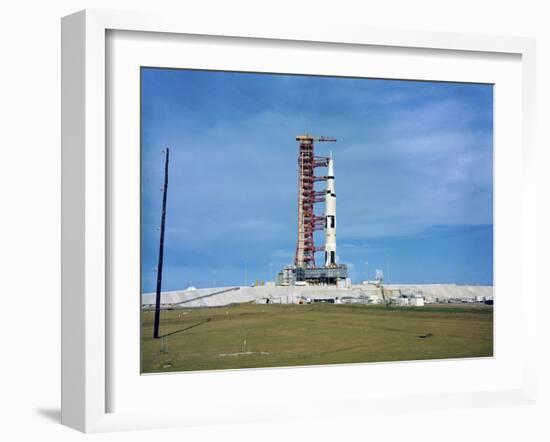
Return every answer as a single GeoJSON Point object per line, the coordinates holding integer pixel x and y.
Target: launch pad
{"type": "Point", "coordinates": [305, 271]}
{"type": "Point", "coordinates": [292, 275]}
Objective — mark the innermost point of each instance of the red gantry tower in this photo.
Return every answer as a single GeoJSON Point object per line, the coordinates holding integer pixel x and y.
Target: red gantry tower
{"type": "Point", "coordinates": [308, 222]}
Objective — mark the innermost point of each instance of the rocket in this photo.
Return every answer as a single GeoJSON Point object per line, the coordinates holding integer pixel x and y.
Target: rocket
{"type": "Point", "coordinates": [330, 217]}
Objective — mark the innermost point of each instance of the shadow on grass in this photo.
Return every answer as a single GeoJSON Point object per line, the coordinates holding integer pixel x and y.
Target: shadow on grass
{"type": "Point", "coordinates": [186, 328]}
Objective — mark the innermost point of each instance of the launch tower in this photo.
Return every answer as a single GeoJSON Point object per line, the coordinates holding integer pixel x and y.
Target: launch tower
{"type": "Point", "coordinates": [308, 222]}
{"type": "Point", "coordinates": [305, 268]}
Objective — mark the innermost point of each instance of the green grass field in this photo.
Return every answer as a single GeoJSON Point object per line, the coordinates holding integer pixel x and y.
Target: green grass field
{"type": "Point", "coordinates": [292, 335]}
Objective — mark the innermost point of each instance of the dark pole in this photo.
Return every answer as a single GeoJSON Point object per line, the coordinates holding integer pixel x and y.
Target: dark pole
{"type": "Point", "coordinates": [161, 247]}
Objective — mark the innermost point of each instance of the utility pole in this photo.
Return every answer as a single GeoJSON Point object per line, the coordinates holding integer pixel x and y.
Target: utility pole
{"type": "Point", "coordinates": [156, 334]}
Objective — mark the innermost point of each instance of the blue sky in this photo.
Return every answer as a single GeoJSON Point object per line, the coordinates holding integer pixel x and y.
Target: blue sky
{"type": "Point", "coordinates": [413, 167]}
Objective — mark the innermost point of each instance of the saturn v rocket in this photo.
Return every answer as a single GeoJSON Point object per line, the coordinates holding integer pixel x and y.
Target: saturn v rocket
{"type": "Point", "coordinates": [305, 268]}
{"type": "Point", "coordinates": [308, 221]}
{"type": "Point", "coordinates": [330, 216]}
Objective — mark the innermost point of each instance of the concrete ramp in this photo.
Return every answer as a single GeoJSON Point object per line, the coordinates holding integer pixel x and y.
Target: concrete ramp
{"type": "Point", "coordinates": [446, 291]}
{"type": "Point", "coordinates": [220, 296]}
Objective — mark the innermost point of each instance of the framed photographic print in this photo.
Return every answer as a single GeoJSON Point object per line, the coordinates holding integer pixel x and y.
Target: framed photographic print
{"type": "Point", "coordinates": [250, 213]}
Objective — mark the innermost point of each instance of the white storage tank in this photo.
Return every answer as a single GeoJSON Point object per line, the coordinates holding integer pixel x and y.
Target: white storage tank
{"type": "Point", "coordinates": [417, 302]}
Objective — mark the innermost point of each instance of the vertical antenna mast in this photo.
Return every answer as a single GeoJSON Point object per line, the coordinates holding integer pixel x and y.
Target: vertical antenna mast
{"type": "Point", "coordinates": [161, 247]}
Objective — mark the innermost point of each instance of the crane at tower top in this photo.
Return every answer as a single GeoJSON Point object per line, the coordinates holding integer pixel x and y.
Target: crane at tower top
{"type": "Point", "coordinates": [310, 138]}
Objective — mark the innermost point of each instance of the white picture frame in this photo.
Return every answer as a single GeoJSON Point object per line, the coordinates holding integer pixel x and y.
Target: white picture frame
{"type": "Point", "coordinates": [86, 205]}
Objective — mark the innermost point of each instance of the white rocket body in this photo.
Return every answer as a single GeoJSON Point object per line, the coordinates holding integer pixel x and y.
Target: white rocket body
{"type": "Point", "coordinates": [330, 217]}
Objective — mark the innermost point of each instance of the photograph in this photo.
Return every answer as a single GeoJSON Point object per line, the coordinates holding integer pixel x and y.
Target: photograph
{"type": "Point", "coordinates": [292, 220]}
